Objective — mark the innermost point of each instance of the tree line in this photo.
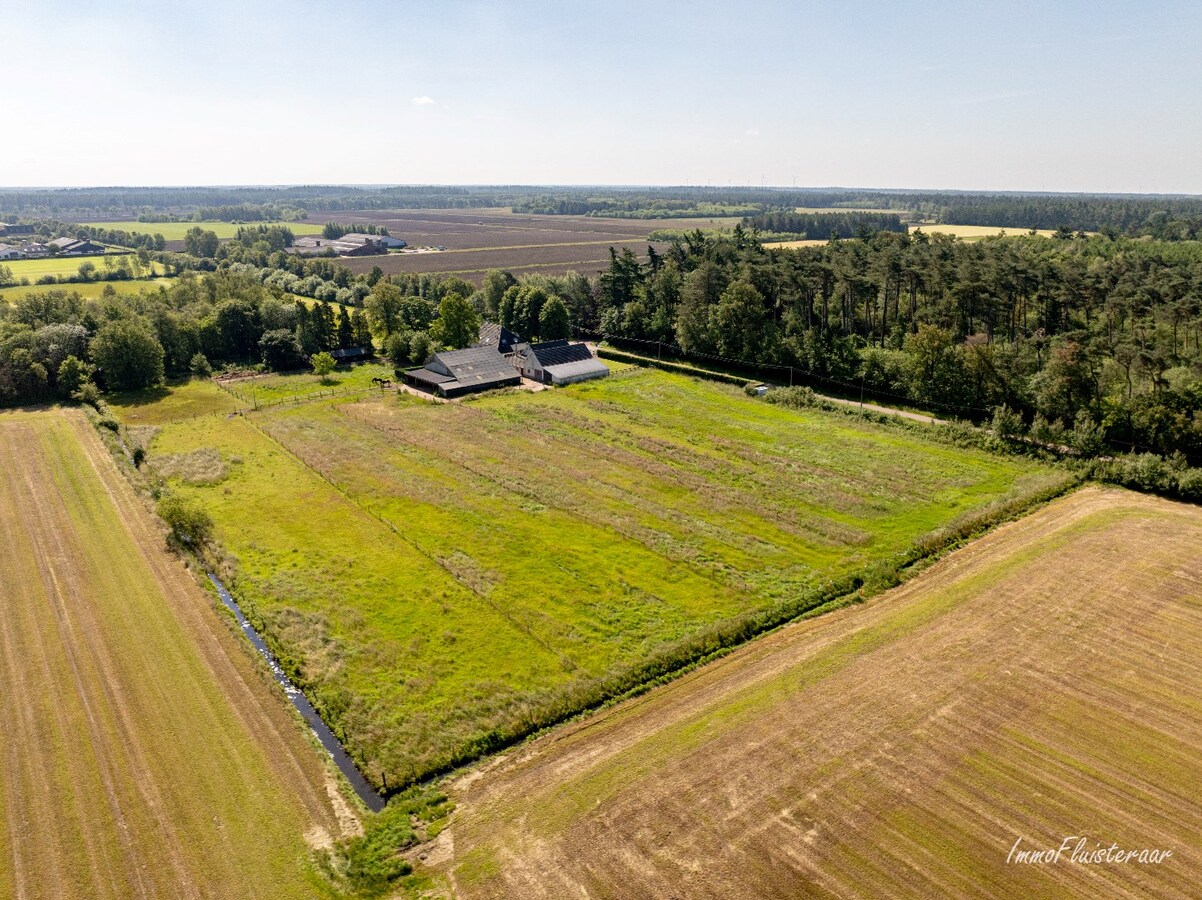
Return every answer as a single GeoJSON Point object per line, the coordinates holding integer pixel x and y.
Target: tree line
{"type": "Point", "coordinates": [1099, 335]}
{"type": "Point", "coordinates": [787, 225]}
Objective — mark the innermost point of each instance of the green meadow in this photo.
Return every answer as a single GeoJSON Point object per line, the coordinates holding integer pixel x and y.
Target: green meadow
{"type": "Point", "coordinates": [175, 231]}
{"type": "Point", "coordinates": [262, 390]}
{"type": "Point", "coordinates": [90, 289]}
{"type": "Point", "coordinates": [60, 266]}
{"type": "Point", "coordinates": [443, 578]}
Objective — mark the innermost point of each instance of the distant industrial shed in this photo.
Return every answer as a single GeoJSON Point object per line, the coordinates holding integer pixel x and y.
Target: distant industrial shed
{"type": "Point", "coordinates": [558, 362]}
{"type": "Point", "coordinates": [454, 373]}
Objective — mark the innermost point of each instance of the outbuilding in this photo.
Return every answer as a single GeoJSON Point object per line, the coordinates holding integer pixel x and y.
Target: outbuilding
{"type": "Point", "coordinates": [558, 362]}
{"type": "Point", "coordinates": [69, 246]}
{"type": "Point", "coordinates": [454, 373]}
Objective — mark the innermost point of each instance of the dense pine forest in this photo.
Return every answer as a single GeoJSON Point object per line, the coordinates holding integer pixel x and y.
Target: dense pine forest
{"type": "Point", "coordinates": [1090, 334]}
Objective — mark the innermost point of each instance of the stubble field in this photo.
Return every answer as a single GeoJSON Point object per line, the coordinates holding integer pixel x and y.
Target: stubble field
{"type": "Point", "coordinates": [442, 578]}
{"type": "Point", "coordinates": [1038, 684]}
{"type": "Point", "coordinates": [144, 755]}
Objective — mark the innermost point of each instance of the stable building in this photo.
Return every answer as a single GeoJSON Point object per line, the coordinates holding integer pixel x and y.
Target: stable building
{"type": "Point", "coordinates": [454, 373]}
{"type": "Point", "coordinates": [558, 362]}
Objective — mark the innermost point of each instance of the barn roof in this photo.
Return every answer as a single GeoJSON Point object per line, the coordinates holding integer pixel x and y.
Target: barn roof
{"type": "Point", "coordinates": [494, 335]}
{"type": "Point", "coordinates": [575, 371]}
{"type": "Point", "coordinates": [350, 353]}
{"type": "Point", "coordinates": [556, 353]}
{"type": "Point", "coordinates": [473, 369]}
{"type": "Point", "coordinates": [476, 365]}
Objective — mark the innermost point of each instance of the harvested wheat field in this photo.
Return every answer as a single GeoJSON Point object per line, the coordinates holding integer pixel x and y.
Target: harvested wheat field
{"type": "Point", "coordinates": [143, 754]}
{"type": "Point", "coordinates": [1040, 683]}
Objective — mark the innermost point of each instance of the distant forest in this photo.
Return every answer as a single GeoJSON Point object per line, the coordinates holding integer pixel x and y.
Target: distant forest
{"type": "Point", "coordinates": [821, 226]}
{"type": "Point", "coordinates": [1163, 217]}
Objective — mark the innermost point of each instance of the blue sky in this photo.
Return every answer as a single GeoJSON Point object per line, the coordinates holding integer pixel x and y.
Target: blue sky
{"type": "Point", "coordinates": [1014, 96]}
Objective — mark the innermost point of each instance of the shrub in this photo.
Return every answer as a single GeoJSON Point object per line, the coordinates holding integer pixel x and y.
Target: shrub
{"type": "Point", "coordinates": [200, 366]}
{"type": "Point", "coordinates": [90, 394]}
{"type": "Point", "coordinates": [190, 525]}
{"type": "Point", "coordinates": [323, 364]}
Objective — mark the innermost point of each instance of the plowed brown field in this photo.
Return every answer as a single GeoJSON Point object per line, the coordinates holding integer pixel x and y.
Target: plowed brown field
{"type": "Point", "coordinates": [479, 240]}
{"type": "Point", "coordinates": [1043, 682]}
{"type": "Point", "coordinates": [142, 754]}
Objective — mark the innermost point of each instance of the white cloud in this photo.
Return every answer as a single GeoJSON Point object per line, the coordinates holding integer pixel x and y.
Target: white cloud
{"type": "Point", "coordinates": [753, 132]}
{"type": "Point", "coordinates": [423, 100]}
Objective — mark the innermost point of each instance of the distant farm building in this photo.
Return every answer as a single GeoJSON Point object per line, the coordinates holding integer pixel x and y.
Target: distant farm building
{"type": "Point", "coordinates": [68, 246]}
{"type": "Point", "coordinates": [7, 228]}
{"type": "Point", "coordinates": [8, 252]}
{"type": "Point", "coordinates": [315, 245]}
{"type": "Point", "coordinates": [351, 354]}
{"type": "Point", "coordinates": [454, 373]}
{"type": "Point", "coordinates": [558, 362]}
{"type": "Point", "coordinates": [382, 240]}
{"type": "Point", "coordinates": [498, 337]}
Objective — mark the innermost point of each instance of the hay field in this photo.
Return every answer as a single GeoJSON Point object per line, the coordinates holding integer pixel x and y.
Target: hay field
{"type": "Point", "coordinates": [65, 266]}
{"type": "Point", "coordinates": [977, 232]}
{"type": "Point", "coordinates": [1039, 683]}
{"type": "Point", "coordinates": [144, 755]}
{"type": "Point", "coordinates": [89, 290]}
{"type": "Point", "coordinates": [793, 245]}
{"type": "Point", "coordinates": [444, 577]}
{"type": "Point", "coordinates": [176, 231]}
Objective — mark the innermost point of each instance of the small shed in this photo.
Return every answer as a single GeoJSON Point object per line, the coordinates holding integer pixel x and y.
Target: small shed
{"type": "Point", "coordinates": [351, 354]}
{"type": "Point", "coordinates": [558, 362]}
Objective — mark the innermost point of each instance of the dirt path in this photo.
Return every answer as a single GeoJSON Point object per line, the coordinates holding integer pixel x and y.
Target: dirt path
{"type": "Point", "coordinates": [144, 754]}
{"type": "Point", "coordinates": [1042, 682]}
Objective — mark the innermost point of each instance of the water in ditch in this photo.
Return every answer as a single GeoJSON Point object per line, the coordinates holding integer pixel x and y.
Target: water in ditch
{"type": "Point", "coordinates": [345, 764]}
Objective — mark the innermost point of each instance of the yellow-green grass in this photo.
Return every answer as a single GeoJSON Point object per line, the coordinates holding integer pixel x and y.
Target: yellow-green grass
{"type": "Point", "coordinates": [175, 402]}
{"type": "Point", "coordinates": [60, 266]}
{"type": "Point", "coordinates": [442, 575]}
{"type": "Point", "coordinates": [177, 231]}
{"type": "Point", "coordinates": [977, 232]}
{"type": "Point", "coordinates": [143, 754]}
{"type": "Point", "coordinates": [398, 654]}
{"type": "Point", "coordinates": [263, 390]}
{"type": "Point", "coordinates": [792, 245]}
{"type": "Point", "coordinates": [90, 290]}
{"type": "Point", "coordinates": [1036, 684]}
